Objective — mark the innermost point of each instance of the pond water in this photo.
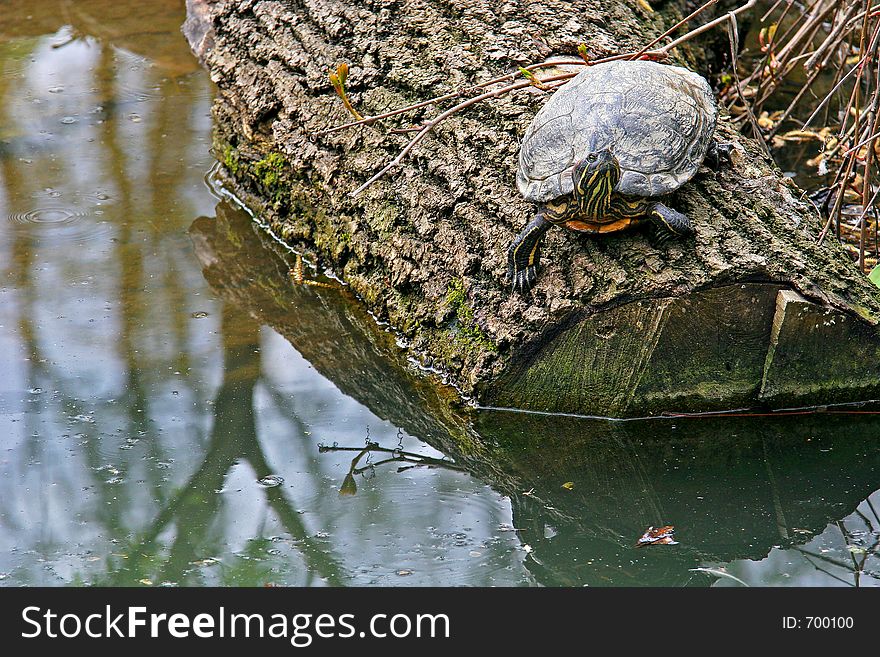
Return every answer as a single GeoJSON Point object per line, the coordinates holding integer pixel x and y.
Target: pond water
{"type": "Point", "coordinates": [175, 411]}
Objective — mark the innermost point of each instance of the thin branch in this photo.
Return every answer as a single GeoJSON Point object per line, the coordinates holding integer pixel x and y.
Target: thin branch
{"type": "Point", "coordinates": [443, 116]}
{"type": "Point", "coordinates": [733, 36]}
{"type": "Point", "coordinates": [367, 120]}
{"type": "Point", "coordinates": [831, 93]}
{"type": "Point", "coordinates": [708, 26]}
{"type": "Point", "coordinates": [855, 148]}
{"type": "Point", "coordinates": [674, 28]}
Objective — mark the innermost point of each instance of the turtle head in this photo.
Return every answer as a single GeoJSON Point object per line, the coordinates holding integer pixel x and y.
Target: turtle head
{"type": "Point", "coordinates": [594, 179]}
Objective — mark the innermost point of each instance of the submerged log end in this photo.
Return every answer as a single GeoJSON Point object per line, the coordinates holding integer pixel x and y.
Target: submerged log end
{"type": "Point", "coordinates": [738, 346]}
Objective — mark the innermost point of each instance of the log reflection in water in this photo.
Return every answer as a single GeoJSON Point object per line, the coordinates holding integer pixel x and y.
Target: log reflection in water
{"type": "Point", "coordinates": [734, 488]}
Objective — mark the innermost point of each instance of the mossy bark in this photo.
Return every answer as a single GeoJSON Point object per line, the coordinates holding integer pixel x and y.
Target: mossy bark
{"type": "Point", "coordinates": [425, 248]}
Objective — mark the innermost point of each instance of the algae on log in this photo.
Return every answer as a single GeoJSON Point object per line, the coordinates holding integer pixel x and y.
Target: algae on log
{"type": "Point", "coordinates": [425, 248]}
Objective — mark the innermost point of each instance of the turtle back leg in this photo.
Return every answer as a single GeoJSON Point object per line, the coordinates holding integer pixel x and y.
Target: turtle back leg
{"type": "Point", "coordinates": [719, 153]}
{"type": "Point", "coordinates": [524, 252]}
{"type": "Point", "coordinates": [669, 222]}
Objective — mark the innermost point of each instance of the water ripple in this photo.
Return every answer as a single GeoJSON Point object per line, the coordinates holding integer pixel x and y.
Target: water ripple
{"type": "Point", "coordinates": [67, 224]}
{"type": "Point", "coordinates": [44, 216]}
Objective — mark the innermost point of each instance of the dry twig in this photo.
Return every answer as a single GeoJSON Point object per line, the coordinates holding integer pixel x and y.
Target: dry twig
{"type": "Point", "coordinates": [822, 59]}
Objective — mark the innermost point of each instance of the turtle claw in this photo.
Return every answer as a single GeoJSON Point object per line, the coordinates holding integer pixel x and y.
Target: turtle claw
{"type": "Point", "coordinates": [662, 238]}
{"type": "Point", "coordinates": [523, 255]}
{"type": "Point", "coordinates": [524, 279]}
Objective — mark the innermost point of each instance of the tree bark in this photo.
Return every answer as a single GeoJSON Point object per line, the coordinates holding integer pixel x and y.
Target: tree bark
{"type": "Point", "coordinates": [615, 325]}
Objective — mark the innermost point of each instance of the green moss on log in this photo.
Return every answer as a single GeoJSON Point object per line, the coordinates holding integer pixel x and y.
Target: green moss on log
{"type": "Point", "coordinates": [230, 159]}
{"type": "Point", "coordinates": [294, 213]}
{"type": "Point", "coordinates": [465, 328]}
{"type": "Point", "coordinates": [271, 174]}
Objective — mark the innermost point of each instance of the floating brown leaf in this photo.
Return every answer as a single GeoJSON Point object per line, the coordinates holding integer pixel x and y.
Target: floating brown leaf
{"type": "Point", "coordinates": [658, 536]}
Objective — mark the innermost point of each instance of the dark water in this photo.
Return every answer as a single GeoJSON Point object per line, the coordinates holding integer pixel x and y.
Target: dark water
{"type": "Point", "coordinates": [174, 411]}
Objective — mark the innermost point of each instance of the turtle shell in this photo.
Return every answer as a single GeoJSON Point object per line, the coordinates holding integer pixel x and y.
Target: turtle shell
{"type": "Point", "coordinates": [657, 119]}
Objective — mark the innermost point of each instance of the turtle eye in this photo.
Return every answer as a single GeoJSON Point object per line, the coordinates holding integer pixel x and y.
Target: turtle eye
{"type": "Point", "coordinates": [591, 157]}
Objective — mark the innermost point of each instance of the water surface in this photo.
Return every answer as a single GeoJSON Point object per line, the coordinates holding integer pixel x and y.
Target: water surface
{"type": "Point", "coordinates": [175, 411]}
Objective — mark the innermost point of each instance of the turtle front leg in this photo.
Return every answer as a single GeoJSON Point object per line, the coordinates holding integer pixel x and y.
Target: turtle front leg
{"type": "Point", "coordinates": [669, 223]}
{"type": "Point", "coordinates": [524, 252]}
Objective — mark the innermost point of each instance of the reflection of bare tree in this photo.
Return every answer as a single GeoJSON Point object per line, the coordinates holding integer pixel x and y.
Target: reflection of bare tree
{"type": "Point", "coordinates": [19, 272]}
{"type": "Point", "coordinates": [155, 501]}
{"type": "Point", "coordinates": [850, 574]}
{"type": "Point", "coordinates": [147, 28]}
{"type": "Point", "coordinates": [233, 439]}
{"type": "Point", "coordinates": [707, 482]}
{"type": "Point", "coordinates": [395, 455]}
{"type": "Point", "coordinates": [140, 281]}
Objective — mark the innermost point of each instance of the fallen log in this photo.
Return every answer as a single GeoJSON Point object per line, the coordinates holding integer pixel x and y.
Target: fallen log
{"type": "Point", "coordinates": [751, 311]}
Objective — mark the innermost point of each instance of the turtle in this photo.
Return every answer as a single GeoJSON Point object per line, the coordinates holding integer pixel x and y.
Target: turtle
{"type": "Point", "coordinates": [605, 146]}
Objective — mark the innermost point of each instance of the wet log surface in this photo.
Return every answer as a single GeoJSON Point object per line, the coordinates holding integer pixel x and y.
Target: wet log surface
{"type": "Point", "coordinates": [605, 330]}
